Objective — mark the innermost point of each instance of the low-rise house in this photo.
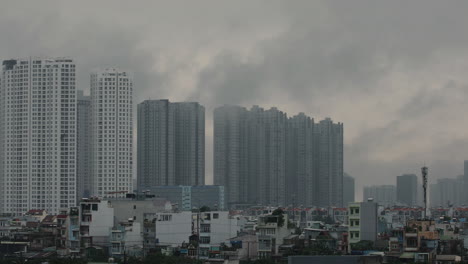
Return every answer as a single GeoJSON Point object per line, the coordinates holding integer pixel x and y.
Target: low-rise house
{"type": "Point", "coordinates": [363, 222]}
{"type": "Point", "coordinates": [126, 239]}
{"type": "Point", "coordinates": [73, 232]}
{"type": "Point", "coordinates": [271, 232]}
{"type": "Point", "coordinates": [96, 218]}
{"type": "Point", "coordinates": [38, 214]}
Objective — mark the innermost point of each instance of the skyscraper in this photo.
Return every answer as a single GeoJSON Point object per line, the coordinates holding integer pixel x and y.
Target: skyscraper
{"type": "Point", "coordinates": [189, 143]}
{"type": "Point", "coordinates": [38, 135]}
{"type": "Point", "coordinates": [330, 170]}
{"type": "Point", "coordinates": [447, 192]}
{"type": "Point", "coordinates": [407, 189]}
{"type": "Point", "coordinates": [171, 143]}
{"type": "Point", "coordinates": [250, 154]}
{"type": "Point", "coordinates": [301, 161]}
{"type": "Point", "coordinates": [272, 186]}
{"type": "Point", "coordinates": [111, 132]}
{"type": "Point", "coordinates": [83, 145]}
{"type": "Point", "coordinates": [382, 194]}
{"type": "Point", "coordinates": [231, 153]}
{"type": "Point", "coordinates": [348, 189]}
{"type": "Point", "coordinates": [262, 157]}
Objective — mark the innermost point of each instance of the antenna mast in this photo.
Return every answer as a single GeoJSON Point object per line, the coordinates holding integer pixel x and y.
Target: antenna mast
{"type": "Point", "coordinates": [424, 181]}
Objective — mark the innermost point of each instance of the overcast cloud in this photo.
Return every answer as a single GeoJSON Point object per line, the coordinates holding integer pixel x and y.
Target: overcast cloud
{"type": "Point", "coordinates": [394, 72]}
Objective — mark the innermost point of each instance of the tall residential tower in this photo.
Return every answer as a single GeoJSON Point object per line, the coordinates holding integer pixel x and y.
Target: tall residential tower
{"type": "Point", "coordinates": [83, 145]}
{"type": "Point", "coordinates": [171, 143]}
{"type": "Point", "coordinates": [264, 157]}
{"type": "Point", "coordinates": [407, 189]}
{"type": "Point", "coordinates": [37, 135]}
{"type": "Point", "coordinates": [111, 132]}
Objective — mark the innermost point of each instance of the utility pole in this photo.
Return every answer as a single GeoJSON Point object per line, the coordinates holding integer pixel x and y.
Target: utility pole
{"type": "Point", "coordinates": [424, 179]}
{"type": "Point", "coordinates": [198, 233]}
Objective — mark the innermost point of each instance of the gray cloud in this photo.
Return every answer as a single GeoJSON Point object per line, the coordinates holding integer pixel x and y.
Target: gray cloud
{"type": "Point", "coordinates": [394, 72]}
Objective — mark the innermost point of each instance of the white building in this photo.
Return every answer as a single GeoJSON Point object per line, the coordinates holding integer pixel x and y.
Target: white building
{"type": "Point", "coordinates": [111, 132]}
{"type": "Point", "coordinates": [96, 219]}
{"type": "Point", "coordinates": [363, 221]}
{"type": "Point", "coordinates": [173, 229]}
{"type": "Point", "coordinates": [37, 135]}
{"type": "Point", "coordinates": [138, 209]}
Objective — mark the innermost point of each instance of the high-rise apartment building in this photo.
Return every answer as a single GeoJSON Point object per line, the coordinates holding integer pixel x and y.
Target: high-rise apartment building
{"type": "Point", "coordinates": [250, 154]}
{"type": "Point", "coordinates": [330, 164]}
{"type": "Point", "coordinates": [348, 189]}
{"type": "Point", "coordinates": [446, 192]}
{"type": "Point", "coordinates": [171, 143]}
{"type": "Point", "coordinates": [301, 161]}
{"type": "Point", "coordinates": [407, 189]}
{"type": "Point", "coordinates": [382, 194]}
{"type": "Point", "coordinates": [111, 132]}
{"type": "Point", "coordinates": [189, 143]}
{"type": "Point", "coordinates": [231, 152]}
{"type": "Point", "coordinates": [272, 187]}
{"type": "Point", "coordinates": [83, 145]}
{"type": "Point", "coordinates": [264, 157]}
{"type": "Point", "coordinates": [37, 135]}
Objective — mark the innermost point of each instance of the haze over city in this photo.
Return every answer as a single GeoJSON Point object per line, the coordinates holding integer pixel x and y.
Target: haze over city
{"type": "Point", "coordinates": [393, 72]}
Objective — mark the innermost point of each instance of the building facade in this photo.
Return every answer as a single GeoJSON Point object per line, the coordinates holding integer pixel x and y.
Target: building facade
{"type": "Point", "coordinates": [171, 143]}
{"type": "Point", "coordinates": [264, 157]}
{"type": "Point", "coordinates": [447, 192]}
{"type": "Point", "coordinates": [330, 164]}
{"type": "Point", "coordinates": [407, 189]}
{"type": "Point", "coordinates": [301, 160]}
{"type": "Point", "coordinates": [83, 145]}
{"type": "Point", "coordinates": [111, 132]}
{"type": "Point", "coordinates": [186, 198]}
{"type": "Point", "coordinates": [37, 135]}
{"type": "Point", "coordinates": [348, 189]}
{"type": "Point", "coordinates": [382, 194]}
{"type": "Point", "coordinates": [363, 221]}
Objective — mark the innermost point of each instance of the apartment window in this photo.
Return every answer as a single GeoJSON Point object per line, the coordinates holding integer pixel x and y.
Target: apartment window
{"type": "Point", "coordinates": [412, 242]}
{"type": "Point", "coordinates": [205, 228]}
{"type": "Point", "coordinates": [215, 216]}
{"type": "Point", "coordinates": [205, 240]}
{"type": "Point", "coordinates": [165, 218]}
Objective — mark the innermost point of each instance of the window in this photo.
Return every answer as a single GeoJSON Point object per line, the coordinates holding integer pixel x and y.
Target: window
{"type": "Point", "coordinates": [205, 240]}
{"type": "Point", "coordinates": [215, 216]}
{"type": "Point", "coordinates": [205, 228]}
{"type": "Point", "coordinates": [165, 218]}
{"type": "Point", "coordinates": [412, 242]}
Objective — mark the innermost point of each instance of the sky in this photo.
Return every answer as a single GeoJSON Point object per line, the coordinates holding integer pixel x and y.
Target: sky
{"type": "Point", "coordinates": [394, 72]}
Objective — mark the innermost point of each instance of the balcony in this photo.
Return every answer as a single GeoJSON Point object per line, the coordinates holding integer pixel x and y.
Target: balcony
{"type": "Point", "coordinates": [86, 212]}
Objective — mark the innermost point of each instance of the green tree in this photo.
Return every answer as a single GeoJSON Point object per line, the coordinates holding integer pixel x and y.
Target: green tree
{"type": "Point", "coordinates": [280, 213]}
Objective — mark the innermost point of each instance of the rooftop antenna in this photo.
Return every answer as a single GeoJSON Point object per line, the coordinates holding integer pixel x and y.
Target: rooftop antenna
{"type": "Point", "coordinates": [424, 182]}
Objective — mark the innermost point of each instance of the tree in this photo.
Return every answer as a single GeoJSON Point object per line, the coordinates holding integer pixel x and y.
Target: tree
{"type": "Point", "coordinates": [280, 213]}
